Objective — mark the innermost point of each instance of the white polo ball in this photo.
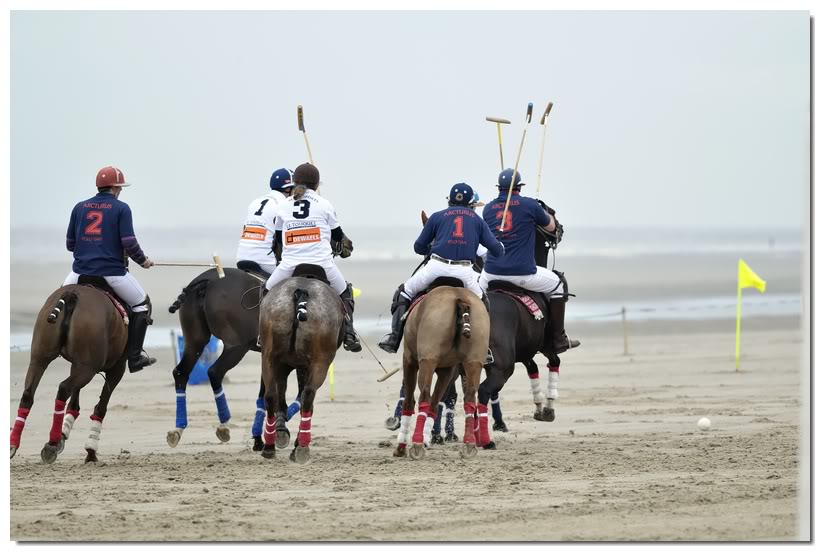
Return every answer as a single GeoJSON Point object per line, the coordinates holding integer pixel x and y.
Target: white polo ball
{"type": "Point", "coordinates": [703, 424]}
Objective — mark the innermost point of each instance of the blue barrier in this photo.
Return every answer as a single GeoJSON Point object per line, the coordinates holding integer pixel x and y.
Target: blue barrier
{"type": "Point", "coordinates": [210, 353]}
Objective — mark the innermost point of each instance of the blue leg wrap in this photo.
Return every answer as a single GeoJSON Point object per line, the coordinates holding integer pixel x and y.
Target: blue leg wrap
{"type": "Point", "coordinates": [258, 423]}
{"type": "Point", "coordinates": [437, 423]}
{"type": "Point", "coordinates": [223, 407]}
{"type": "Point", "coordinates": [293, 408]}
{"type": "Point", "coordinates": [495, 402]}
{"type": "Point", "coordinates": [449, 426]}
{"type": "Point", "coordinates": [400, 401]}
{"type": "Point", "coordinates": [180, 409]}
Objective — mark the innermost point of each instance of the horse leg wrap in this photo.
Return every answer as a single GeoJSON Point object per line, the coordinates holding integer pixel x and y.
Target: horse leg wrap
{"type": "Point", "coordinates": [269, 431]}
{"type": "Point", "coordinates": [223, 407]}
{"type": "Point", "coordinates": [94, 433]}
{"type": "Point", "coordinates": [258, 423]}
{"type": "Point", "coordinates": [496, 407]}
{"type": "Point", "coordinates": [305, 429]}
{"type": "Point", "coordinates": [483, 436]}
{"type": "Point", "coordinates": [535, 388]}
{"type": "Point", "coordinates": [553, 383]}
{"type": "Point", "coordinates": [449, 418]}
{"type": "Point", "coordinates": [428, 427]}
{"type": "Point", "coordinates": [399, 404]}
{"type": "Point", "coordinates": [437, 421]}
{"type": "Point", "coordinates": [404, 431]}
{"type": "Point", "coordinates": [469, 423]}
{"type": "Point", "coordinates": [57, 421]}
{"type": "Point", "coordinates": [68, 422]}
{"type": "Point", "coordinates": [418, 435]}
{"type": "Point", "coordinates": [180, 409]}
{"type": "Point", "coordinates": [293, 408]}
{"type": "Point", "coordinates": [19, 423]}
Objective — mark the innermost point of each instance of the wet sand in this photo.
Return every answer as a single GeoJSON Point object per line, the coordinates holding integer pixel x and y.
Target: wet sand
{"type": "Point", "coordinates": [624, 459]}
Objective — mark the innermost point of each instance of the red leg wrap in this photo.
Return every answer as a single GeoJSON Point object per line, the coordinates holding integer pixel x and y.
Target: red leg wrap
{"type": "Point", "coordinates": [469, 423]}
{"type": "Point", "coordinates": [418, 435]}
{"type": "Point", "coordinates": [269, 431]}
{"type": "Point", "coordinates": [57, 422]}
{"type": "Point", "coordinates": [305, 429]}
{"type": "Point", "coordinates": [19, 423]}
{"type": "Point", "coordinates": [533, 375]}
{"type": "Point", "coordinates": [94, 417]}
{"type": "Point", "coordinates": [552, 369]}
{"type": "Point", "coordinates": [483, 434]}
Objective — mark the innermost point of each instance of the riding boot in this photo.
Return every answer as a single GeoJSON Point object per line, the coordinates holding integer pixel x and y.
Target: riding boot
{"type": "Point", "coordinates": [392, 341]}
{"type": "Point", "coordinates": [486, 301]}
{"type": "Point", "coordinates": [138, 359]}
{"type": "Point", "coordinates": [558, 342]}
{"type": "Point", "coordinates": [351, 342]}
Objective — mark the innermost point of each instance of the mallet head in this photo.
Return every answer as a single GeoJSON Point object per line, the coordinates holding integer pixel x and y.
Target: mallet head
{"type": "Point", "coordinates": [301, 118]}
{"type": "Point", "coordinates": [497, 120]}
{"type": "Point", "coordinates": [218, 265]}
{"type": "Point", "coordinates": [546, 112]}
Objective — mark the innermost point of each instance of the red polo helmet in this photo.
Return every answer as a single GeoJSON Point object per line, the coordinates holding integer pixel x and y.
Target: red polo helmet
{"type": "Point", "coordinates": [110, 177]}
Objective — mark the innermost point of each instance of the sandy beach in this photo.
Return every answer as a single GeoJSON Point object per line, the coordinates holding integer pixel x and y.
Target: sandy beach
{"type": "Point", "coordinates": [624, 459]}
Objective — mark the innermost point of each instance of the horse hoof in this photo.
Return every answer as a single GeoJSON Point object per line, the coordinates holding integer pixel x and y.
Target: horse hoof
{"type": "Point", "coordinates": [548, 414]}
{"type": "Point", "coordinates": [300, 454]}
{"type": "Point", "coordinates": [13, 451]}
{"type": "Point", "coordinates": [61, 445]}
{"type": "Point", "coordinates": [91, 456]}
{"type": "Point", "coordinates": [438, 439]}
{"type": "Point", "coordinates": [49, 453]}
{"type": "Point", "coordinates": [490, 446]}
{"type": "Point", "coordinates": [468, 450]}
{"type": "Point", "coordinates": [451, 438]}
{"type": "Point", "coordinates": [417, 451]}
{"type": "Point", "coordinates": [257, 444]}
{"type": "Point", "coordinates": [222, 432]}
{"type": "Point", "coordinates": [392, 423]}
{"type": "Point", "coordinates": [400, 452]}
{"type": "Point", "coordinates": [501, 427]}
{"type": "Point", "coordinates": [268, 451]}
{"type": "Point", "coordinates": [281, 439]}
{"type": "Point", "coordinates": [173, 437]}
{"type": "Point", "coordinates": [537, 415]}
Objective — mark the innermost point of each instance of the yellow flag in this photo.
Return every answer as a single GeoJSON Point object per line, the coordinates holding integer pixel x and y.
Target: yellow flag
{"type": "Point", "coordinates": [356, 292]}
{"type": "Point", "coordinates": [749, 279]}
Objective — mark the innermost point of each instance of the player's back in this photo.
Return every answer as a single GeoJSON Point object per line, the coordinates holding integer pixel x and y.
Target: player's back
{"type": "Point", "coordinates": [306, 224]}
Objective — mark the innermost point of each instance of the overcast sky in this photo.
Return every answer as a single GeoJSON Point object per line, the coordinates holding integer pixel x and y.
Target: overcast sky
{"type": "Point", "coordinates": [660, 119]}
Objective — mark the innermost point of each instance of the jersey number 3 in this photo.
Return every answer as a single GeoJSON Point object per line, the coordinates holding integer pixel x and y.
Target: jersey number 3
{"type": "Point", "coordinates": [508, 220]}
{"type": "Point", "coordinates": [301, 209]}
{"type": "Point", "coordinates": [96, 217]}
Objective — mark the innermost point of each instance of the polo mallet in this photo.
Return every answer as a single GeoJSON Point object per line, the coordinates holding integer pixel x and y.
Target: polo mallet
{"type": "Point", "coordinates": [387, 374]}
{"type": "Point", "coordinates": [303, 130]}
{"type": "Point", "coordinates": [515, 168]}
{"type": "Point", "coordinates": [498, 122]}
{"type": "Point", "coordinates": [216, 264]}
{"type": "Point", "coordinates": [543, 123]}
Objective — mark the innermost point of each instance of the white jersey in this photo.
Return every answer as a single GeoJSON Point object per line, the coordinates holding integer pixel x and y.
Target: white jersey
{"type": "Point", "coordinates": [306, 225]}
{"type": "Point", "coordinates": [259, 229]}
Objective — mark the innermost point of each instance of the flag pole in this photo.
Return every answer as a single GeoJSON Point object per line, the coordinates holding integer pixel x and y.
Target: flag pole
{"type": "Point", "coordinates": [332, 382]}
{"type": "Point", "coordinates": [738, 321]}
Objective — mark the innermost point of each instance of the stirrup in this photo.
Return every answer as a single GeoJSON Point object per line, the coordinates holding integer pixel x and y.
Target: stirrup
{"type": "Point", "coordinates": [490, 358]}
{"type": "Point", "coordinates": [351, 343]}
{"type": "Point", "coordinates": [141, 362]}
{"type": "Point", "coordinates": [390, 343]}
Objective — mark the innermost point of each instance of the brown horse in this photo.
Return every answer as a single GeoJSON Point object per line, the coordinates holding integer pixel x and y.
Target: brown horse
{"type": "Point", "coordinates": [82, 325]}
{"type": "Point", "coordinates": [447, 332]}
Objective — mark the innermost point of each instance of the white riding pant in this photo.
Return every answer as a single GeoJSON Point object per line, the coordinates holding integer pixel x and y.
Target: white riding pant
{"type": "Point", "coordinates": [126, 287]}
{"type": "Point", "coordinates": [435, 269]}
{"type": "Point", "coordinates": [285, 270]}
{"type": "Point", "coordinates": [543, 281]}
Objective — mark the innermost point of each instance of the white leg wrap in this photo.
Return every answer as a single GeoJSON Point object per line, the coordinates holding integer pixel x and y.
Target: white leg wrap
{"type": "Point", "coordinates": [553, 385]}
{"type": "Point", "coordinates": [68, 423]}
{"type": "Point", "coordinates": [94, 435]}
{"type": "Point", "coordinates": [404, 431]}
{"type": "Point", "coordinates": [535, 389]}
{"type": "Point", "coordinates": [428, 431]}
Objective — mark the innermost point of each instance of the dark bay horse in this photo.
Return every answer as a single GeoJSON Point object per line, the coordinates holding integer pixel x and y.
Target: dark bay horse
{"type": "Point", "coordinates": [447, 333]}
{"type": "Point", "coordinates": [302, 327]}
{"type": "Point", "coordinates": [82, 325]}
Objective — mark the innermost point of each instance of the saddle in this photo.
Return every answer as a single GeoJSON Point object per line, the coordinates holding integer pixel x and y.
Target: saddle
{"type": "Point", "coordinates": [534, 302]}
{"type": "Point", "coordinates": [438, 282]}
{"type": "Point", "coordinates": [253, 268]}
{"type": "Point", "coordinates": [310, 271]}
{"type": "Point", "coordinates": [100, 283]}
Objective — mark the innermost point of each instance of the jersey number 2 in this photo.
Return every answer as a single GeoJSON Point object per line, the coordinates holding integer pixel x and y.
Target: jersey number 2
{"type": "Point", "coordinates": [96, 217]}
{"type": "Point", "coordinates": [301, 209]}
{"type": "Point", "coordinates": [458, 226]}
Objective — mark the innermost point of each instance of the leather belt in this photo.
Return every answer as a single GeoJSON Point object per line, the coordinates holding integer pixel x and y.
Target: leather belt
{"type": "Point", "coordinates": [448, 261]}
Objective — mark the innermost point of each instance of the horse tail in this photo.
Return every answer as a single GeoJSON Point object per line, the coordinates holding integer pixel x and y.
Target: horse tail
{"type": "Point", "coordinates": [65, 305]}
{"type": "Point", "coordinates": [198, 288]}
{"type": "Point", "coordinates": [299, 299]}
{"type": "Point", "coordinates": [463, 318]}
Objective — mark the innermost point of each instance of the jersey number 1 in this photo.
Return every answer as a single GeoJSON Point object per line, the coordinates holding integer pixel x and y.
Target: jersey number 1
{"type": "Point", "coordinates": [260, 211]}
{"type": "Point", "coordinates": [458, 226]}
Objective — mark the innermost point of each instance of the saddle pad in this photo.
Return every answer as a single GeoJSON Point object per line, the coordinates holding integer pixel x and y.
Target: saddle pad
{"type": "Point", "coordinates": [527, 301]}
{"type": "Point", "coordinates": [116, 302]}
{"type": "Point", "coordinates": [413, 305]}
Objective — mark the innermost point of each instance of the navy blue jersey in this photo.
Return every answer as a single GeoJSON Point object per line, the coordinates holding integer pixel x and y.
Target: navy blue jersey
{"type": "Point", "coordinates": [518, 237]}
{"type": "Point", "coordinates": [100, 232]}
{"type": "Point", "coordinates": [455, 233]}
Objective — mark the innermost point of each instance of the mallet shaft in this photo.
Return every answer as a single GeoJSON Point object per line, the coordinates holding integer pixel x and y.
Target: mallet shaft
{"type": "Point", "coordinates": [515, 168]}
{"type": "Point", "coordinates": [543, 138]}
